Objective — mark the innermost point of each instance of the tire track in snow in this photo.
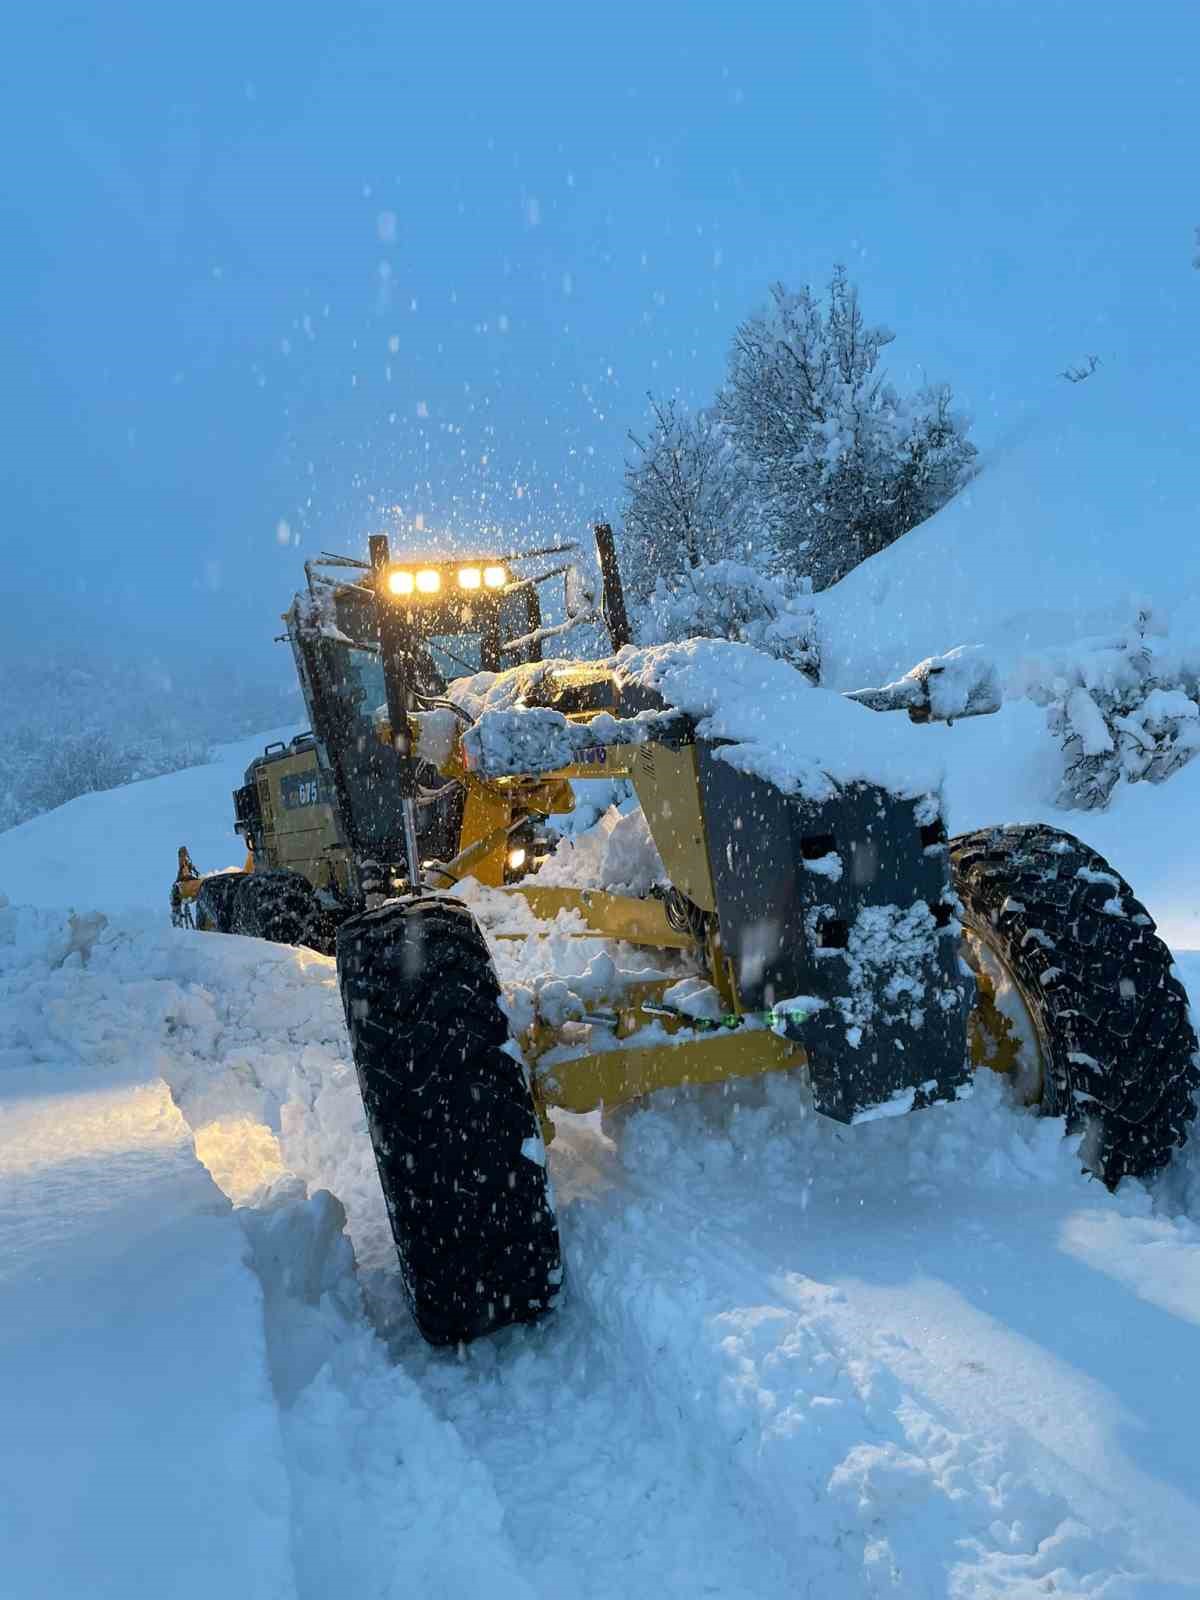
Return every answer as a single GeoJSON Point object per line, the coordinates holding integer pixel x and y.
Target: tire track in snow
{"type": "Point", "coordinates": [374, 1488]}
{"type": "Point", "coordinates": [600, 1485]}
{"type": "Point", "coordinates": [607, 1483]}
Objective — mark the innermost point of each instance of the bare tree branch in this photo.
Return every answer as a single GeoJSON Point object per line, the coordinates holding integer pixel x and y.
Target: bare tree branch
{"type": "Point", "coordinates": [1084, 370]}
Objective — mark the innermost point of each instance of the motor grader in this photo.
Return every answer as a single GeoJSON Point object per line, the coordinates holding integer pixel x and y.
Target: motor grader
{"type": "Point", "coordinates": [831, 928]}
{"type": "Point", "coordinates": [321, 818]}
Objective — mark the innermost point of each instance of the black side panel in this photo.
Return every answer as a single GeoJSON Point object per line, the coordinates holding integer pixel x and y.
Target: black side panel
{"type": "Point", "coordinates": [846, 902]}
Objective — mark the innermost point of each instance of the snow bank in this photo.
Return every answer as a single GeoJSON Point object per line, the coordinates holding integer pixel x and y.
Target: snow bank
{"type": "Point", "coordinates": [194, 1403]}
{"type": "Point", "coordinates": [140, 1452]}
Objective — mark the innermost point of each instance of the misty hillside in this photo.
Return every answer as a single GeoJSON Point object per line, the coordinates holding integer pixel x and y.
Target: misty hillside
{"type": "Point", "coordinates": [73, 721]}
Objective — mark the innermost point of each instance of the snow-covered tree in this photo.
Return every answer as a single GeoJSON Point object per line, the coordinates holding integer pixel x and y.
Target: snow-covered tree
{"type": "Point", "coordinates": [841, 463]}
{"type": "Point", "coordinates": [689, 499]}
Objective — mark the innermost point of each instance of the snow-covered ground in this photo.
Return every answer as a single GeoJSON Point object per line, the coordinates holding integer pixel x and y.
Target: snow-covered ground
{"type": "Point", "coordinates": [924, 1357]}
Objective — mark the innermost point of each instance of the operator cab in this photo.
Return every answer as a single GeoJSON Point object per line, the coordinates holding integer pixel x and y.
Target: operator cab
{"type": "Point", "coordinates": [462, 616]}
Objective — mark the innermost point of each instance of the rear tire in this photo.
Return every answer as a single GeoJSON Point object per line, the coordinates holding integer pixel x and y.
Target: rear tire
{"type": "Point", "coordinates": [451, 1118]}
{"type": "Point", "coordinates": [280, 906]}
{"type": "Point", "coordinates": [1119, 1050]}
{"type": "Point", "coordinates": [214, 901]}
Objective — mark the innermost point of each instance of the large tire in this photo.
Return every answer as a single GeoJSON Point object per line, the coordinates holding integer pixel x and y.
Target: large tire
{"type": "Point", "coordinates": [280, 906]}
{"type": "Point", "coordinates": [451, 1119]}
{"type": "Point", "coordinates": [1118, 1048]}
{"type": "Point", "coordinates": [214, 901]}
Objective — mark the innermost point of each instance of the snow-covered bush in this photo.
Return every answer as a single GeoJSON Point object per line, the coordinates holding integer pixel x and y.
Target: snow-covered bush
{"type": "Point", "coordinates": [1127, 708]}
{"type": "Point", "coordinates": [731, 600]}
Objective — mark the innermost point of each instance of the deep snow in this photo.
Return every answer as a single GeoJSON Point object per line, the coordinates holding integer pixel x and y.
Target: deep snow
{"type": "Point", "coordinates": [926, 1356]}
{"type": "Point", "coordinates": [109, 850]}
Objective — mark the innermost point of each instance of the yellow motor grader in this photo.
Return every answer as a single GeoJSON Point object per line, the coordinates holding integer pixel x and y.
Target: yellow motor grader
{"type": "Point", "coordinates": [830, 927]}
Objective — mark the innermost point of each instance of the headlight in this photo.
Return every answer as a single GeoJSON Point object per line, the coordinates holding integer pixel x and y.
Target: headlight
{"type": "Point", "coordinates": [400, 582]}
{"type": "Point", "coordinates": [494, 577]}
{"type": "Point", "coordinates": [469, 577]}
{"type": "Point", "coordinates": [516, 859]}
{"type": "Point", "coordinates": [428, 581]}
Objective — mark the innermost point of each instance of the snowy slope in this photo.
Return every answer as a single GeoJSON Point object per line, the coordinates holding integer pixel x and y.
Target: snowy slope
{"type": "Point", "coordinates": [1070, 525]}
{"type": "Point", "coordinates": [1004, 768]}
{"type": "Point", "coordinates": [117, 849]}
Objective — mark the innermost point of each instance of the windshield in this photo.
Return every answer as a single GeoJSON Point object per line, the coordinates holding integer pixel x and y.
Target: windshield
{"type": "Point", "coordinates": [455, 655]}
{"type": "Point", "coordinates": [366, 674]}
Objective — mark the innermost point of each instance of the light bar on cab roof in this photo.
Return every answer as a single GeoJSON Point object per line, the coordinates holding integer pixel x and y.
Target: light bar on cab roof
{"type": "Point", "coordinates": [422, 582]}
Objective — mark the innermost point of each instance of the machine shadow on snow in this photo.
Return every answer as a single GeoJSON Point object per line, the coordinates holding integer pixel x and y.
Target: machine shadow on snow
{"type": "Point", "coordinates": [811, 911]}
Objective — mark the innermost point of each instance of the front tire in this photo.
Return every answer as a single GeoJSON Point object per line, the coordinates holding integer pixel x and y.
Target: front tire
{"type": "Point", "coordinates": [451, 1117]}
{"type": "Point", "coordinates": [1118, 1050]}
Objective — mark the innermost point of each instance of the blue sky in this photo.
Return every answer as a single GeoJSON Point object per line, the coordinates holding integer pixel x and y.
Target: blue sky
{"type": "Point", "coordinates": [276, 276]}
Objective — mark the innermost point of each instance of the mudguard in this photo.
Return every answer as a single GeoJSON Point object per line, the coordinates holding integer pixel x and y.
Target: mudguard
{"type": "Point", "coordinates": [839, 917]}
